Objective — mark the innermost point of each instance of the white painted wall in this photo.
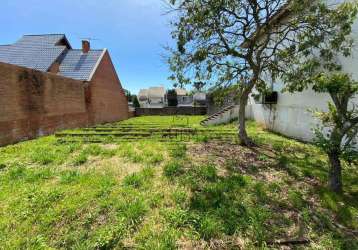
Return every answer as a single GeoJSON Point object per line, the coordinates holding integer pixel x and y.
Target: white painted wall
{"type": "Point", "coordinates": [291, 115]}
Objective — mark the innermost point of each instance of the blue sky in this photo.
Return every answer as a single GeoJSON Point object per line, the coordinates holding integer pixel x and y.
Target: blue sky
{"type": "Point", "coordinates": [134, 31]}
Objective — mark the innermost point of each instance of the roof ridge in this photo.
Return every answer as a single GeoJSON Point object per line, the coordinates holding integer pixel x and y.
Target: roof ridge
{"type": "Point", "coordinates": [89, 50]}
{"type": "Point", "coordinates": [50, 34]}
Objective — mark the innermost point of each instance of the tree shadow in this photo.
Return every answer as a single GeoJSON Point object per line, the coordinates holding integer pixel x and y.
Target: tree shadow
{"type": "Point", "coordinates": [239, 205]}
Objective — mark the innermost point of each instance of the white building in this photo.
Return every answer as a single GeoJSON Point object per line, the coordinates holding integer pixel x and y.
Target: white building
{"type": "Point", "coordinates": [154, 97]}
{"type": "Point", "coordinates": [184, 99]}
{"type": "Point", "coordinates": [292, 115]}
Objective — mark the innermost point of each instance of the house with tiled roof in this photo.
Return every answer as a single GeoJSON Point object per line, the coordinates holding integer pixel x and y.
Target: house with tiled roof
{"type": "Point", "coordinates": [42, 77]}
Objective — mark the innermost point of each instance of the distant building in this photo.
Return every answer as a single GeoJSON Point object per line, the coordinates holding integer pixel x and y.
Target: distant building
{"type": "Point", "coordinates": [154, 97]}
{"type": "Point", "coordinates": [184, 100]}
{"type": "Point", "coordinates": [200, 99]}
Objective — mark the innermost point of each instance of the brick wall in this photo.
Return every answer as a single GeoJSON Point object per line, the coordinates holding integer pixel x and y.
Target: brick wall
{"type": "Point", "coordinates": [106, 99]}
{"type": "Point", "coordinates": [33, 103]}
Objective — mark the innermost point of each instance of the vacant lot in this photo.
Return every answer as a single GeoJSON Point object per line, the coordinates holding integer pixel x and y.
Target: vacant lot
{"type": "Point", "coordinates": [150, 194]}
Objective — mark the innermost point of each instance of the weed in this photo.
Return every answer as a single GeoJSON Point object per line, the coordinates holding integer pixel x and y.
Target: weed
{"type": "Point", "coordinates": [173, 169]}
{"type": "Point", "coordinates": [68, 177]}
{"type": "Point", "coordinates": [296, 199]}
{"type": "Point", "coordinates": [80, 159]}
{"type": "Point", "coordinates": [137, 180]}
{"type": "Point", "coordinates": [180, 197]}
{"type": "Point", "coordinates": [134, 180]}
{"type": "Point", "coordinates": [207, 172]}
{"type": "Point", "coordinates": [108, 237]}
{"type": "Point", "coordinates": [178, 151]}
{"type": "Point", "coordinates": [209, 227]}
{"type": "Point", "coordinates": [134, 210]}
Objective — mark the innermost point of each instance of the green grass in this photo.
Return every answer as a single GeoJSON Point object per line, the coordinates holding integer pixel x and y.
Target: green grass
{"type": "Point", "coordinates": [147, 194]}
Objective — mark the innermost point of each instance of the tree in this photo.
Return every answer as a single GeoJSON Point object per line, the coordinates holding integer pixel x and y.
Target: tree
{"type": "Point", "coordinates": [229, 42]}
{"type": "Point", "coordinates": [128, 95]}
{"type": "Point", "coordinates": [315, 64]}
{"type": "Point", "coordinates": [172, 98]}
{"type": "Point", "coordinates": [135, 101]}
{"type": "Point", "coordinates": [199, 85]}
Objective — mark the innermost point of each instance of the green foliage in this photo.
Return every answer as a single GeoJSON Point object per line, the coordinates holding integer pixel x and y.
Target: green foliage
{"type": "Point", "coordinates": [172, 98]}
{"type": "Point", "coordinates": [178, 151]}
{"type": "Point", "coordinates": [135, 101]}
{"type": "Point", "coordinates": [80, 159]}
{"type": "Point", "coordinates": [137, 180]}
{"type": "Point", "coordinates": [173, 169]}
{"type": "Point", "coordinates": [209, 227]}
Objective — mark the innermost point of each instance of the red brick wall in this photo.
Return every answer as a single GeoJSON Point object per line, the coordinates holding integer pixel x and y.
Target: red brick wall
{"type": "Point", "coordinates": [33, 103]}
{"type": "Point", "coordinates": [105, 96]}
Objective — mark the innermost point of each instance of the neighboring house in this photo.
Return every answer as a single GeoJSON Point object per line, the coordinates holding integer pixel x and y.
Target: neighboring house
{"type": "Point", "coordinates": [154, 97]}
{"type": "Point", "coordinates": [46, 85]}
{"type": "Point", "coordinates": [143, 98]}
{"type": "Point", "coordinates": [184, 100]}
{"type": "Point", "coordinates": [200, 99]}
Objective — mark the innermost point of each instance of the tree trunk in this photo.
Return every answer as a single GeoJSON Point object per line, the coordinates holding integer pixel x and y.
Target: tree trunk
{"type": "Point", "coordinates": [244, 138]}
{"type": "Point", "coordinates": [335, 172]}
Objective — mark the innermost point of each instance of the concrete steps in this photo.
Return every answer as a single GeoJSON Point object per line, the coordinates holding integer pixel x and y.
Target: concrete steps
{"type": "Point", "coordinates": [120, 132]}
{"type": "Point", "coordinates": [221, 117]}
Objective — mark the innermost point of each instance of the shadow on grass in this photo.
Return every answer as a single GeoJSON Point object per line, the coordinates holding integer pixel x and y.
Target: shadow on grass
{"type": "Point", "coordinates": [238, 205]}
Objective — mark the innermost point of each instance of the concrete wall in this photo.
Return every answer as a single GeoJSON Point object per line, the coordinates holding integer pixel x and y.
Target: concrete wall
{"type": "Point", "coordinates": [292, 115]}
{"type": "Point", "coordinates": [33, 104]}
{"type": "Point", "coordinates": [106, 98]}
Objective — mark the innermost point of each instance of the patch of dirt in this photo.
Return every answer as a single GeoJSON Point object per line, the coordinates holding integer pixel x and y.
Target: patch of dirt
{"type": "Point", "coordinates": [109, 146]}
{"type": "Point", "coordinates": [252, 161]}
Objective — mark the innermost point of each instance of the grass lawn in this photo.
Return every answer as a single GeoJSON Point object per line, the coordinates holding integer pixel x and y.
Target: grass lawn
{"type": "Point", "coordinates": [148, 194]}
